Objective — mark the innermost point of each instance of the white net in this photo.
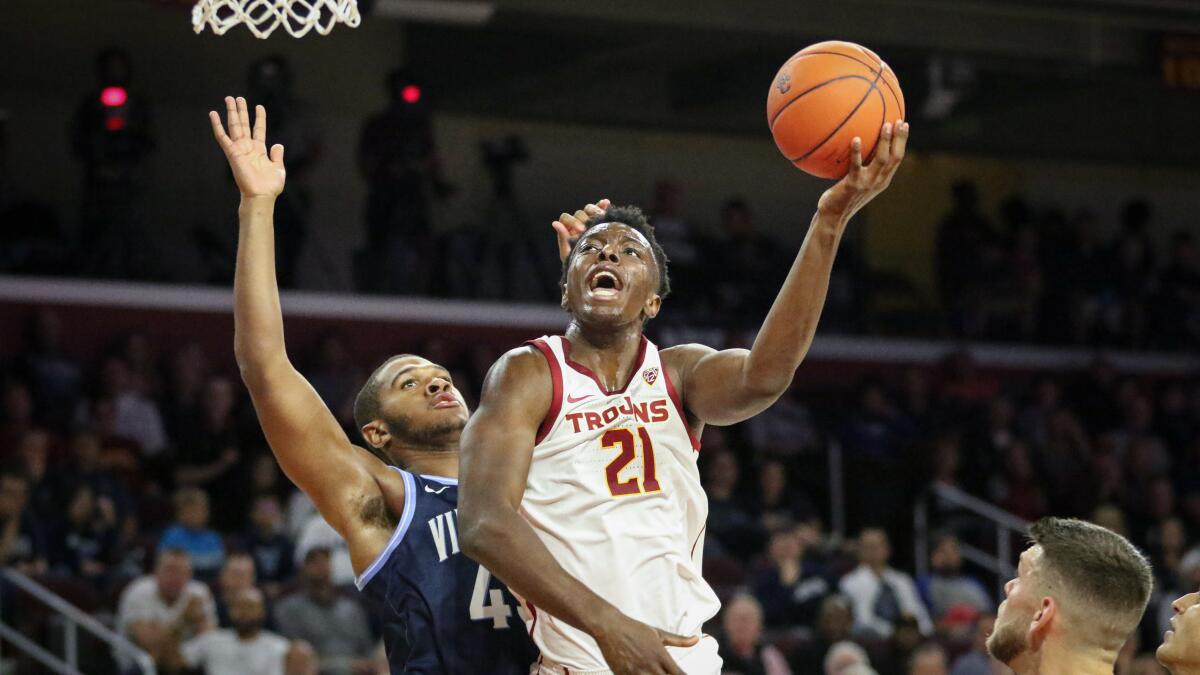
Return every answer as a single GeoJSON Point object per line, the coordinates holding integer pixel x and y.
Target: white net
{"type": "Point", "coordinates": [262, 17]}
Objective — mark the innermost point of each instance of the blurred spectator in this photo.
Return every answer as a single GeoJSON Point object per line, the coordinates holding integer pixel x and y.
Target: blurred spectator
{"type": "Point", "coordinates": [209, 458]}
{"type": "Point", "coordinates": [269, 83]}
{"type": "Point", "coordinates": [237, 575]}
{"type": "Point", "coordinates": [268, 545]}
{"type": "Point", "coordinates": [1015, 489]}
{"type": "Point", "coordinates": [55, 379]}
{"type": "Point", "coordinates": [947, 585]}
{"type": "Point", "coordinates": [729, 523]}
{"type": "Point", "coordinates": [678, 238]}
{"type": "Point", "coordinates": [876, 438]}
{"type": "Point", "coordinates": [318, 534]}
{"type": "Point", "coordinates": [1176, 310]}
{"type": "Point", "coordinates": [112, 137]}
{"type": "Point", "coordinates": [335, 625]}
{"type": "Point", "coordinates": [789, 594]}
{"type": "Point", "coordinates": [246, 649]}
{"type": "Point", "coordinates": [22, 536]}
{"type": "Point", "coordinates": [929, 659]}
{"type": "Point", "coordinates": [17, 415]}
{"type": "Point", "coordinates": [846, 658]}
{"type": "Point", "coordinates": [398, 158]}
{"type": "Point", "coordinates": [742, 649]}
{"type": "Point", "coordinates": [135, 414]}
{"type": "Point", "coordinates": [905, 642]}
{"type": "Point", "coordinates": [776, 504]}
{"type": "Point", "coordinates": [85, 542]}
{"type": "Point", "coordinates": [335, 377]}
{"type": "Point", "coordinates": [186, 382]}
{"type": "Point", "coordinates": [880, 595]}
{"type": "Point", "coordinates": [833, 626]}
{"type": "Point", "coordinates": [191, 534]}
{"type": "Point", "coordinates": [978, 661]}
{"type": "Point", "coordinates": [786, 429]}
{"type": "Point", "coordinates": [155, 606]}
{"type": "Point", "coordinates": [753, 265]}
{"type": "Point", "coordinates": [965, 252]}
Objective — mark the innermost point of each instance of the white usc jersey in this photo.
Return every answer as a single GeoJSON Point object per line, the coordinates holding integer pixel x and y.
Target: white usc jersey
{"type": "Point", "coordinates": [614, 493]}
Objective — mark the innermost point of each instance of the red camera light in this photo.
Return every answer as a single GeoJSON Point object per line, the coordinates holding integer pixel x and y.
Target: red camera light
{"type": "Point", "coordinates": [411, 93]}
{"type": "Point", "coordinates": [114, 97]}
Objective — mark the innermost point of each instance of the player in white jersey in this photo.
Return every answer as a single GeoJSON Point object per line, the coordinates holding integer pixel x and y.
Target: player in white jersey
{"type": "Point", "coordinates": [579, 486]}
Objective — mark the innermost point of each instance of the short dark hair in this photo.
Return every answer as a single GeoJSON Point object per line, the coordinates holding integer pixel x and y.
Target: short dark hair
{"type": "Point", "coordinates": [366, 403]}
{"type": "Point", "coordinates": [1098, 568]}
{"type": "Point", "coordinates": [636, 219]}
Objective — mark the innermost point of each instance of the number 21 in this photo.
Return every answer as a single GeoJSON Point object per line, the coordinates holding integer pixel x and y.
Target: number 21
{"type": "Point", "coordinates": [624, 438]}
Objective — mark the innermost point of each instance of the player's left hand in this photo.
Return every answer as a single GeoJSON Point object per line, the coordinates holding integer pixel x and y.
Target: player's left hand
{"type": "Point", "coordinates": [568, 227]}
{"type": "Point", "coordinates": [862, 183]}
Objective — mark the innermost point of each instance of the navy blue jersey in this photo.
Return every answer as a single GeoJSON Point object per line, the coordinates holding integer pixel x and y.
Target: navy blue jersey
{"type": "Point", "coordinates": [442, 611]}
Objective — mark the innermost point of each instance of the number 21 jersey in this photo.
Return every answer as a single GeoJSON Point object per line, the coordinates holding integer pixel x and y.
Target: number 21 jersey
{"type": "Point", "coordinates": [614, 493]}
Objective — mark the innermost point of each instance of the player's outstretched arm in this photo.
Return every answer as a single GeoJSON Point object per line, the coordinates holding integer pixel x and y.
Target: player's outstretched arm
{"type": "Point", "coordinates": [729, 386]}
{"type": "Point", "coordinates": [309, 444]}
{"type": "Point", "coordinates": [496, 450]}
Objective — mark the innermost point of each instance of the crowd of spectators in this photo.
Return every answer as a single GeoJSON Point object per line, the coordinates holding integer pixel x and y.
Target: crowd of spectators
{"type": "Point", "coordinates": [138, 483]}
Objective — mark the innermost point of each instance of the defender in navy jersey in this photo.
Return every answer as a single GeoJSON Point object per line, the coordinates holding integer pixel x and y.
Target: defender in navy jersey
{"type": "Point", "coordinates": [446, 612]}
{"type": "Point", "coordinates": [442, 612]}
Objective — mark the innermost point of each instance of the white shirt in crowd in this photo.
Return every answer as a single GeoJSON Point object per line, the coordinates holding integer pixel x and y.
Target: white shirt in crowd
{"type": "Point", "coordinates": [862, 586]}
{"type": "Point", "coordinates": [319, 534]}
{"type": "Point", "coordinates": [221, 652]}
{"type": "Point", "coordinates": [141, 601]}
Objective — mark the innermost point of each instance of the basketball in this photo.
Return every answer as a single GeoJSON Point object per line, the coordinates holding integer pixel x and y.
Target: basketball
{"type": "Point", "coordinates": [823, 97]}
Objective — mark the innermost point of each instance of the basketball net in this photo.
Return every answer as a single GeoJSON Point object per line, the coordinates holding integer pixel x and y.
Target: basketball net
{"type": "Point", "coordinates": [262, 17]}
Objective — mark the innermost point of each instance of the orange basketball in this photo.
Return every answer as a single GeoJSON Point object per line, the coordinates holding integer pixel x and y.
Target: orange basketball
{"type": "Point", "coordinates": [823, 97]}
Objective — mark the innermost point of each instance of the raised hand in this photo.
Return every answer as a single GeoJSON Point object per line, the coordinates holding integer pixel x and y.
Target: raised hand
{"type": "Point", "coordinates": [862, 183]}
{"type": "Point", "coordinates": [257, 173]}
{"type": "Point", "coordinates": [568, 227]}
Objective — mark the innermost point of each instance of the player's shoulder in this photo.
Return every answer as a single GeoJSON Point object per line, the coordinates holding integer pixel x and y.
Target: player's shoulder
{"type": "Point", "coordinates": [519, 363]}
{"type": "Point", "coordinates": [680, 358]}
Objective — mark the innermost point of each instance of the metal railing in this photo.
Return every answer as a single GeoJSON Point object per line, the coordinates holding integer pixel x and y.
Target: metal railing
{"type": "Point", "coordinates": [1005, 524]}
{"type": "Point", "coordinates": [72, 619]}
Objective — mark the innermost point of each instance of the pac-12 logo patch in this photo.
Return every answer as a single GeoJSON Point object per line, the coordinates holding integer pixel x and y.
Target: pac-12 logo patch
{"type": "Point", "coordinates": [650, 375]}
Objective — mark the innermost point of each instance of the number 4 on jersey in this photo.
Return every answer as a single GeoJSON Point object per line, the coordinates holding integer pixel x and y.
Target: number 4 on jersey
{"type": "Point", "coordinates": [488, 603]}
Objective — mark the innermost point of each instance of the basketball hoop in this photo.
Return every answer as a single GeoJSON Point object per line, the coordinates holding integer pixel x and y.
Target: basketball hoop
{"type": "Point", "coordinates": [262, 17]}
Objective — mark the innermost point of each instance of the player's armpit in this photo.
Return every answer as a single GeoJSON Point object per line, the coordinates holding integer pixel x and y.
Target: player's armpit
{"type": "Point", "coordinates": [719, 387]}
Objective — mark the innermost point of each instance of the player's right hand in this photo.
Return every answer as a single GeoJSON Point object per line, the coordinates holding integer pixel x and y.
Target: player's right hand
{"type": "Point", "coordinates": [568, 227]}
{"type": "Point", "coordinates": [257, 173]}
{"type": "Point", "coordinates": [633, 648]}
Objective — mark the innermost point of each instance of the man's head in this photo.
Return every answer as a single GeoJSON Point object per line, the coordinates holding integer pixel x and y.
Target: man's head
{"type": "Point", "coordinates": [785, 546]}
{"type": "Point", "coordinates": [218, 399]}
{"type": "Point", "coordinates": [1079, 587]}
{"type": "Point", "coordinates": [772, 478]}
{"type": "Point", "coordinates": [172, 572]}
{"type": "Point", "coordinates": [1180, 650]}
{"type": "Point", "coordinates": [266, 514]}
{"type": "Point", "coordinates": [874, 550]}
{"type": "Point", "coordinates": [616, 273]}
{"type": "Point", "coordinates": [247, 612]}
{"type": "Point", "coordinates": [191, 508]}
{"type": "Point", "coordinates": [843, 657]}
{"type": "Point", "coordinates": [743, 622]}
{"type": "Point", "coordinates": [409, 403]}
{"type": "Point", "coordinates": [317, 571]}
{"type": "Point", "coordinates": [945, 558]}
{"type": "Point", "coordinates": [237, 574]}
{"type": "Point", "coordinates": [14, 493]}
{"type": "Point", "coordinates": [928, 659]}
{"type": "Point", "coordinates": [835, 619]}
